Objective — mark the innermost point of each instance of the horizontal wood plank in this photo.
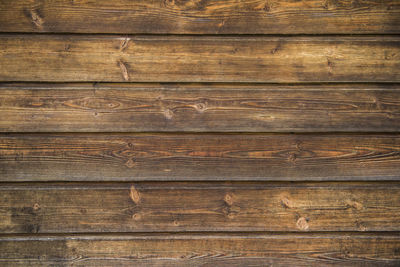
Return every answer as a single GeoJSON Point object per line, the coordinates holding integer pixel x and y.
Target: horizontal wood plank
{"type": "Point", "coordinates": [69, 58]}
{"type": "Point", "coordinates": [136, 157]}
{"type": "Point", "coordinates": [180, 207]}
{"type": "Point", "coordinates": [201, 16]}
{"type": "Point", "coordinates": [199, 108]}
{"type": "Point", "coordinates": [203, 250]}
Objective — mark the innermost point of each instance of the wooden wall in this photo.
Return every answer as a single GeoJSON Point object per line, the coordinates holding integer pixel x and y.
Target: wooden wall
{"type": "Point", "coordinates": [200, 133]}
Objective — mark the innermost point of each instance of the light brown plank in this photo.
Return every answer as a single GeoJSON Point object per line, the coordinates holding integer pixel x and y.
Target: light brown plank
{"type": "Point", "coordinates": [203, 250]}
{"type": "Point", "coordinates": [129, 157]}
{"type": "Point", "coordinates": [68, 58]}
{"type": "Point", "coordinates": [180, 207]}
{"type": "Point", "coordinates": [198, 108]}
{"type": "Point", "coordinates": [201, 16]}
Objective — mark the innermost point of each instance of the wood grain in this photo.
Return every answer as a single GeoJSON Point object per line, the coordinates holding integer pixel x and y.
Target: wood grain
{"type": "Point", "coordinates": [69, 58]}
{"type": "Point", "coordinates": [200, 133]}
{"type": "Point", "coordinates": [202, 16]}
{"type": "Point", "coordinates": [182, 207]}
{"type": "Point", "coordinates": [199, 108]}
{"type": "Point", "coordinates": [129, 157]}
{"type": "Point", "coordinates": [203, 250]}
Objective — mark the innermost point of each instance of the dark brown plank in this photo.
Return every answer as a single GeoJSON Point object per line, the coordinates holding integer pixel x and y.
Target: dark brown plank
{"type": "Point", "coordinates": [111, 157]}
{"type": "Point", "coordinates": [201, 16]}
{"type": "Point", "coordinates": [199, 108]}
{"type": "Point", "coordinates": [203, 250]}
{"type": "Point", "coordinates": [177, 207]}
{"type": "Point", "coordinates": [63, 58]}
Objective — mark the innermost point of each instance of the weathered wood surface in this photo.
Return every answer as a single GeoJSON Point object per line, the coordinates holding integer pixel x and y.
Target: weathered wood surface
{"type": "Point", "coordinates": [203, 250]}
{"type": "Point", "coordinates": [63, 58]}
{"type": "Point", "coordinates": [198, 108]}
{"type": "Point", "coordinates": [182, 207]}
{"type": "Point", "coordinates": [226, 133]}
{"type": "Point", "coordinates": [135, 157]}
{"type": "Point", "coordinates": [201, 16]}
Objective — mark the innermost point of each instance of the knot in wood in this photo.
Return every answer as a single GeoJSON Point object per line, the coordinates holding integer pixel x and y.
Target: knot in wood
{"type": "Point", "coordinates": [286, 203]}
{"type": "Point", "coordinates": [168, 114]}
{"type": "Point", "coordinates": [228, 199]}
{"type": "Point", "coordinates": [200, 107]}
{"type": "Point", "coordinates": [354, 204]}
{"type": "Point", "coordinates": [302, 224]}
{"type": "Point", "coordinates": [134, 195]}
{"type": "Point", "coordinates": [130, 163]}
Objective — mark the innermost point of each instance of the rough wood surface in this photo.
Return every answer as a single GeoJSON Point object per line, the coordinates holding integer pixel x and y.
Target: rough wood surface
{"type": "Point", "coordinates": [134, 157]}
{"type": "Point", "coordinates": [182, 207]}
{"type": "Point", "coordinates": [203, 250]}
{"type": "Point", "coordinates": [198, 108]}
{"type": "Point", "coordinates": [200, 133]}
{"type": "Point", "coordinates": [63, 58]}
{"type": "Point", "coordinates": [201, 16]}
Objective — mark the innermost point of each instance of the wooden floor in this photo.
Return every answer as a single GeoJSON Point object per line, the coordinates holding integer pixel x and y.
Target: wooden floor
{"type": "Point", "coordinates": [200, 133]}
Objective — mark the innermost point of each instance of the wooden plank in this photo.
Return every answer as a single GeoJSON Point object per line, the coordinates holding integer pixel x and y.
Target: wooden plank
{"type": "Point", "coordinates": [68, 58]}
{"type": "Point", "coordinates": [177, 207]}
{"type": "Point", "coordinates": [199, 108]}
{"type": "Point", "coordinates": [129, 157]}
{"type": "Point", "coordinates": [201, 17]}
{"type": "Point", "coordinates": [203, 250]}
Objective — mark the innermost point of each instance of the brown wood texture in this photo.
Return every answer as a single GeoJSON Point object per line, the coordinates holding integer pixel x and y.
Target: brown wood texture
{"type": "Point", "coordinates": [68, 58]}
{"type": "Point", "coordinates": [200, 133]}
{"type": "Point", "coordinates": [199, 108]}
{"type": "Point", "coordinates": [129, 157]}
{"type": "Point", "coordinates": [203, 250]}
{"type": "Point", "coordinates": [205, 207]}
{"type": "Point", "coordinates": [201, 16]}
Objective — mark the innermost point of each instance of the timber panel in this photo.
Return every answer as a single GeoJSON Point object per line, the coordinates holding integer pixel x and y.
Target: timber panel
{"type": "Point", "coordinates": [200, 207]}
{"type": "Point", "coordinates": [128, 157]}
{"type": "Point", "coordinates": [199, 108]}
{"type": "Point", "coordinates": [201, 17]}
{"type": "Point", "coordinates": [78, 58]}
{"type": "Point", "coordinates": [204, 250]}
